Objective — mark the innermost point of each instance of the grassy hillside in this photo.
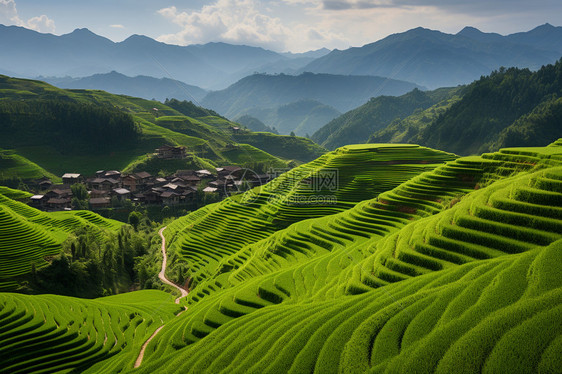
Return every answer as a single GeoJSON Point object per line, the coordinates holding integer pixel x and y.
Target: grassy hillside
{"type": "Point", "coordinates": [254, 124]}
{"type": "Point", "coordinates": [333, 183]}
{"type": "Point", "coordinates": [419, 266]}
{"type": "Point", "coordinates": [115, 131]}
{"type": "Point", "coordinates": [14, 167]}
{"type": "Point", "coordinates": [356, 125]}
{"type": "Point", "coordinates": [28, 235]}
{"type": "Point", "coordinates": [286, 147]}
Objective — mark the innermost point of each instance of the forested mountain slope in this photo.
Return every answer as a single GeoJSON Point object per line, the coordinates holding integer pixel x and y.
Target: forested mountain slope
{"type": "Point", "coordinates": [356, 125]}
{"type": "Point", "coordinates": [511, 107]}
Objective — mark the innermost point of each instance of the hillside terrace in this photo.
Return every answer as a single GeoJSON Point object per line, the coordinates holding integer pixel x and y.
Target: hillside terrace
{"type": "Point", "coordinates": [112, 188]}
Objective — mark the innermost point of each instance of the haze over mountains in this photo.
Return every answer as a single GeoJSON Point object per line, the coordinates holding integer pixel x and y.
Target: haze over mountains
{"type": "Point", "coordinates": [435, 59]}
{"type": "Point", "coordinates": [81, 53]}
{"type": "Point", "coordinates": [139, 86]}
{"type": "Point", "coordinates": [425, 57]}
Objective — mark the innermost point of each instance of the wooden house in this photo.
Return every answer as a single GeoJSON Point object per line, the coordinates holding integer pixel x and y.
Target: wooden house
{"type": "Point", "coordinates": [100, 202]}
{"type": "Point", "coordinates": [71, 178]}
{"type": "Point", "coordinates": [171, 152]}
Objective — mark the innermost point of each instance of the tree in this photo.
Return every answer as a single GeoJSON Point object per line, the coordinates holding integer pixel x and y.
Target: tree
{"type": "Point", "coordinates": [80, 196]}
{"type": "Point", "coordinates": [134, 219]}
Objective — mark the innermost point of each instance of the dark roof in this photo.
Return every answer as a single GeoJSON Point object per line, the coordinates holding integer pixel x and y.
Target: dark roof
{"type": "Point", "coordinates": [191, 178]}
{"type": "Point", "coordinates": [99, 200]}
{"type": "Point", "coordinates": [143, 175]}
{"type": "Point", "coordinates": [102, 180]}
{"type": "Point", "coordinates": [168, 194]}
{"type": "Point", "coordinates": [184, 173]}
{"type": "Point", "coordinates": [61, 192]}
{"type": "Point", "coordinates": [58, 201]}
{"type": "Point", "coordinates": [166, 146]}
{"type": "Point", "coordinates": [231, 168]}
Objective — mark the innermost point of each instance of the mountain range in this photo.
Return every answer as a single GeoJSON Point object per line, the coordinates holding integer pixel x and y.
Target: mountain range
{"type": "Point", "coordinates": [426, 57]}
{"type": "Point", "coordinates": [81, 53]}
{"type": "Point", "coordinates": [266, 96]}
{"type": "Point", "coordinates": [434, 59]}
{"type": "Point", "coordinates": [139, 86]}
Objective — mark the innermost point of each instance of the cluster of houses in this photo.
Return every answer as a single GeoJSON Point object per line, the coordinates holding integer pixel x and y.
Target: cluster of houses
{"type": "Point", "coordinates": [111, 188]}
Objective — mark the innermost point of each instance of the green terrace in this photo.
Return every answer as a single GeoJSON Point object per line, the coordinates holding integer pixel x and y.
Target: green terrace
{"type": "Point", "coordinates": [51, 333]}
{"type": "Point", "coordinates": [374, 244]}
{"type": "Point", "coordinates": [28, 235]}
{"type": "Point", "coordinates": [479, 316]}
{"type": "Point", "coordinates": [424, 262]}
{"type": "Point", "coordinates": [209, 234]}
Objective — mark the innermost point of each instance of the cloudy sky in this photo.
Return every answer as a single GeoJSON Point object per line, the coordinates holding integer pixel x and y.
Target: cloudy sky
{"type": "Point", "coordinates": [281, 25]}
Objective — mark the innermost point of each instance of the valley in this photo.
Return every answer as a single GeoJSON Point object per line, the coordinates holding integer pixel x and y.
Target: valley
{"type": "Point", "coordinates": [184, 202]}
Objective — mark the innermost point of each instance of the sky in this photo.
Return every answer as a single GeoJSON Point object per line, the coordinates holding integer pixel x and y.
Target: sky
{"type": "Point", "coordinates": [279, 25]}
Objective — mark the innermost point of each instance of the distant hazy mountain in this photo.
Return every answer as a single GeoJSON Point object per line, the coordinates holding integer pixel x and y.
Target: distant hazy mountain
{"type": "Point", "coordinates": [302, 117]}
{"type": "Point", "coordinates": [435, 59]}
{"type": "Point", "coordinates": [254, 124]}
{"type": "Point", "coordinates": [139, 86]}
{"type": "Point", "coordinates": [82, 53]}
{"type": "Point", "coordinates": [268, 91]}
{"type": "Point", "coordinates": [302, 103]}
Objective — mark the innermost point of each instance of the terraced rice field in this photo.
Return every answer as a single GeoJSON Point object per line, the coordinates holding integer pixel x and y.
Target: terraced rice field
{"type": "Point", "coordinates": [455, 268]}
{"type": "Point", "coordinates": [479, 316]}
{"type": "Point", "coordinates": [62, 334]}
{"type": "Point", "coordinates": [377, 243]}
{"type": "Point", "coordinates": [333, 183]}
{"type": "Point", "coordinates": [28, 235]}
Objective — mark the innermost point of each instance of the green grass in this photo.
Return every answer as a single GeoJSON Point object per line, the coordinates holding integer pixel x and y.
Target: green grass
{"type": "Point", "coordinates": [28, 235]}
{"type": "Point", "coordinates": [14, 166]}
{"type": "Point", "coordinates": [15, 194]}
{"type": "Point", "coordinates": [283, 146]}
{"type": "Point", "coordinates": [478, 315]}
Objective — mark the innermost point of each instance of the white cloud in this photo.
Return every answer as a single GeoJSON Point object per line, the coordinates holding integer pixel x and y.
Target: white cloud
{"type": "Point", "coordinates": [234, 21]}
{"type": "Point", "coordinates": [9, 13]}
{"type": "Point", "coordinates": [9, 16]}
{"type": "Point", "coordinates": [244, 22]}
{"type": "Point", "coordinates": [117, 26]}
{"type": "Point", "coordinates": [42, 24]}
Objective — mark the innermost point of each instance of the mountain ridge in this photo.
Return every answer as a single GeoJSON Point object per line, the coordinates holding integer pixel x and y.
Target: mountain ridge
{"type": "Point", "coordinates": [436, 59]}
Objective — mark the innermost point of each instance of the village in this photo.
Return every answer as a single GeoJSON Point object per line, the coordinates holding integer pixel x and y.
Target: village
{"type": "Point", "coordinates": [112, 188]}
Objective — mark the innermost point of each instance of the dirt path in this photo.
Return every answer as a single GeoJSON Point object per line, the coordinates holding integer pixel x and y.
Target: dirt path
{"type": "Point", "coordinates": [162, 276]}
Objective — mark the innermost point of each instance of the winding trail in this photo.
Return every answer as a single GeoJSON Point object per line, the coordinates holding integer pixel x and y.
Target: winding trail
{"type": "Point", "coordinates": [162, 276]}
